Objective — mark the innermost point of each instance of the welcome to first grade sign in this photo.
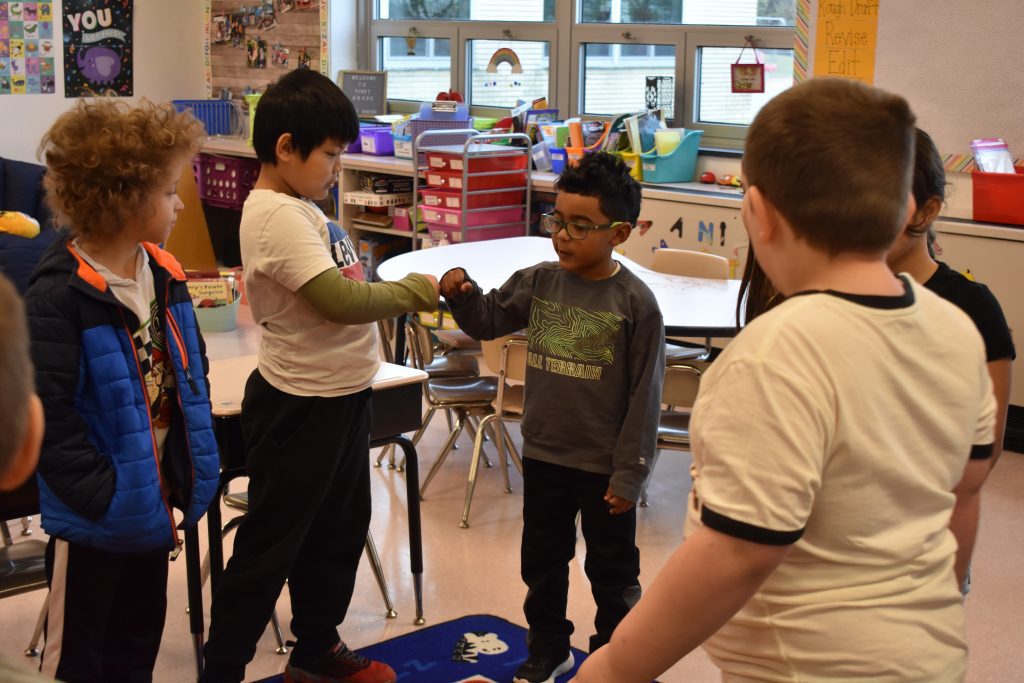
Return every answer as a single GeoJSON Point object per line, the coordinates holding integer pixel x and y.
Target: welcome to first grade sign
{"type": "Point", "coordinates": [368, 91]}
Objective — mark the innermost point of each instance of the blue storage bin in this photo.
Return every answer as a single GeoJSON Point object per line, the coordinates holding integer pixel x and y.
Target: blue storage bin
{"type": "Point", "coordinates": [557, 159]}
{"type": "Point", "coordinates": [219, 117]}
{"type": "Point", "coordinates": [678, 166]}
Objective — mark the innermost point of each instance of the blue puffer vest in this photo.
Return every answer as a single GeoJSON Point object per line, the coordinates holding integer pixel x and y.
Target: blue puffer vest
{"type": "Point", "coordinates": [100, 480]}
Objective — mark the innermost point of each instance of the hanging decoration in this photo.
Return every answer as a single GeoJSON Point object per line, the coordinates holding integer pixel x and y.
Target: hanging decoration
{"type": "Point", "coordinates": [98, 51]}
{"type": "Point", "coordinates": [748, 78]}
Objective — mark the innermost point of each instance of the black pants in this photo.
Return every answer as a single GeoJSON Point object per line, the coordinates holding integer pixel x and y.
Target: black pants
{"type": "Point", "coordinates": [106, 613]}
{"type": "Point", "coordinates": [552, 495]}
{"type": "Point", "coordinates": [309, 512]}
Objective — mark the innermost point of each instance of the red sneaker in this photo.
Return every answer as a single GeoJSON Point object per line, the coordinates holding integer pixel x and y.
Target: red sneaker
{"type": "Point", "coordinates": [341, 665]}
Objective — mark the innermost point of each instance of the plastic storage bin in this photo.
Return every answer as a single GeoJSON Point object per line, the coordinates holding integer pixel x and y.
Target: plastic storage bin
{"type": "Point", "coordinates": [453, 180]}
{"type": "Point", "coordinates": [457, 217]}
{"type": "Point", "coordinates": [219, 117]}
{"type": "Point", "coordinates": [218, 318]}
{"type": "Point", "coordinates": [454, 233]}
{"type": "Point", "coordinates": [999, 197]}
{"type": "Point", "coordinates": [403, 146]}
{"type": "Point", "coordinates": [225, 181]}
{"type": "Point", "coordinates": [377, 141]}
{"type": "Point", "coordinates": [678, 166]}
{"type": "Point", "coordinates": [452, 199]}
{"type": "Point", "coordinates": [453, 161]}
{"type": "Point", "coordinates": [557, 159]}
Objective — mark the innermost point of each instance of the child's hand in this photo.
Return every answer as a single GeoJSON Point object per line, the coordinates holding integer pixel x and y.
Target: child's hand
{"type": "Point", "coordinates": [455, 282]}
{"type": "Point", "coordinates": [616, 504]}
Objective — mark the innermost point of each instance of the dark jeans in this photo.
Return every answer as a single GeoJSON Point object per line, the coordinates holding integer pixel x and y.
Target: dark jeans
{"type": "Point", "coordinates": [109, 625]}
{"type": "Point", "coordinates": [552, 495]}
{"type": "Point", "coordinates": [309, 512]}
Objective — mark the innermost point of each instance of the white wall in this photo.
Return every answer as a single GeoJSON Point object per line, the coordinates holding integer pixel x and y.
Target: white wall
{"type": "Point", "coordinates": [168, 65]}
{"type": "Point", "coordinates": [342, 36]}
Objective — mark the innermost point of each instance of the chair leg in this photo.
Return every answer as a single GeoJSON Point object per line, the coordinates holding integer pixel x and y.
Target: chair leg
{"type": "Point", "coordinates": [460, 421]}
{"type": "Point", "coordinates": [26, 526]}
{"type": "Point", "coordinates": [498, 429]}
{"type": "Point", "coordinates": [33, 647]}
{"type": "Point", "coordinates": [6, 533]}
{"type": "Point", "coordinates": [643, 502]}
{"type": "Point", "coordinates": [448, 417]}
{"type": "Point", "coordinates": [275, 624]}
{"type": "Point", "coordinates": [378, 573]}
{"type": "Point", "coordinates": [474, 466]}
{"type": "Point", "coordinates": [473, 424]}
{"type": "Point", "coordinates": [427, 417]}
{"type": "Point", "coordinates": [513, 451]}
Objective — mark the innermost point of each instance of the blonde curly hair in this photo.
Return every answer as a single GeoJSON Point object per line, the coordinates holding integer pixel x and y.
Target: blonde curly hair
{"type": "Point", "coordinates": [105, 156]}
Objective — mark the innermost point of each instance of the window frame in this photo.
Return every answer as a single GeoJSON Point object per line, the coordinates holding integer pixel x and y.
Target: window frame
{"type": "Point", "coordinates": [724, 134]}
{"type": "Point", "coordinates": [567, 35]}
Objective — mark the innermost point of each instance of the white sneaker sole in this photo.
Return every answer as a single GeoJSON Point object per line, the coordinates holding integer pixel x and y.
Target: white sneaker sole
{"type": "Point", "coordinates": [559, 670]}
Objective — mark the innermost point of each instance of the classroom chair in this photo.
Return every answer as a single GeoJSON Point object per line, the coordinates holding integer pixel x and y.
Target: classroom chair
{"type": "Point", "coordinates": [468, 398]}
{"type": "Point", "coordinates": [678, 394]}
{"type": "Point", "coordinates": [23, 564]}
{"type": "Point", "coordinates": [451, 365]}
{"type": "Point", "coordinates": [690, 264]}
{"type": "Point", "coordinates": [507, 357]}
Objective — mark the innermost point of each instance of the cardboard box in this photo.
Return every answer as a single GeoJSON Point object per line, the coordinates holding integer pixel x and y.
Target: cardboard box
{"type": "Point", "coordinates": [375, 250]}
{"type": "Point", "coordinates": [384, 184]}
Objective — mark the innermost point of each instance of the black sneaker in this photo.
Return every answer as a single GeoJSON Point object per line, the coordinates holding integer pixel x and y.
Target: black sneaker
{"type": "Point", "coordinates": [538, 669]}
{"type": "Point", "coordinates": [340, 665]}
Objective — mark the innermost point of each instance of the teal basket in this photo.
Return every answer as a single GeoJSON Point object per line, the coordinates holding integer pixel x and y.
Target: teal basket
{"type": "Point", "coordinates": [678, 166]}
{"type": "Point", "coordinates": [219, 117]}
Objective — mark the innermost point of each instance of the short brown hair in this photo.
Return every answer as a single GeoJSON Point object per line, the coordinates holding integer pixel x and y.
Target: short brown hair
{"type": "Point", "coordinates": [104, 156]}
{"type": "Point", "coordinates": [16, 375]}
{"type": "Point", "coordinates": [835, 157]}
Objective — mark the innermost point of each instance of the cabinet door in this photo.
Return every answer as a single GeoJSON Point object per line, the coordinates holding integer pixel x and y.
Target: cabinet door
{"type": "Point", "coordinates": [996, 262]}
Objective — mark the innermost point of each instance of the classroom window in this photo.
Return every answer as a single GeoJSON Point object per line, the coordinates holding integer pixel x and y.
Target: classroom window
{"type": "Point", "coordinates": [493, 66]}
{"type": "Point", "coordinates": [467, 10]}
{"type": "Point", "coordinates": [710, 12]}
{"type": "Point", "coordinates": [417, 69]}
{"type": "Point", "coordinates": [717, 104]}
{"type": "Point", "coordinates": [614, 76]}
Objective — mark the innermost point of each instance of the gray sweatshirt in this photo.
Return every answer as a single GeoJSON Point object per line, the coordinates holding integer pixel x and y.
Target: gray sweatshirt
{"type": "Point", "coordinates": [595, 366]}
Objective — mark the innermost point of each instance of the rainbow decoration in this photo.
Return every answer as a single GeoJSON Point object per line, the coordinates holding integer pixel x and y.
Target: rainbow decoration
{"type": "Point", "coordinates": [964, 163]}
{"type": "Point", "coordinates": [504, 55]}
{"type": "Point", "coordinates": [801, 40]}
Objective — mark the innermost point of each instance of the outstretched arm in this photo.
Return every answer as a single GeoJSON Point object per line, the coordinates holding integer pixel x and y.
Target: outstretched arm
{"type": "Point", "coordinates": [350, 302]}
{"type": "Point", "coordinates": [708, 579]}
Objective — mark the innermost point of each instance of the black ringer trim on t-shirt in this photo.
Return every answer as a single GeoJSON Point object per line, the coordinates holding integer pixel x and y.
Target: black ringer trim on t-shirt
{"type": "Point", "coordinates": [747, 532]}
{"type": "Point", "coordinates": [982, 452]}
{"type": "Point", "coordinates": [904, 300]}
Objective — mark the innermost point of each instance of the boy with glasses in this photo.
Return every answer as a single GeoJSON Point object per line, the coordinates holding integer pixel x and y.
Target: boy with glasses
{"type": "Point", "coordinates": [594, 377]}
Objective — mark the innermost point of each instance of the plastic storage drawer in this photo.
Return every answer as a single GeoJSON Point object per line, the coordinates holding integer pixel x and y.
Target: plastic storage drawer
{"type": "Point", "coordinates": [457, 217]}
{"type": "Point", "coordinates": [452, 199]}
{"type": "Point", "coordinates": [453, 180]}
{"type": "Point", "coordinates": [448, 161]}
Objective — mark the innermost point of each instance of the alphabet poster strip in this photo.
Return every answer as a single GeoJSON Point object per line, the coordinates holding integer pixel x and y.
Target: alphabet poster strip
{"type": "Point", "coordinates": [846, 39]}
{"type": "Point", "coordinates": [98, 50]}
{"type": "Point", "coordinates": [27, 50]}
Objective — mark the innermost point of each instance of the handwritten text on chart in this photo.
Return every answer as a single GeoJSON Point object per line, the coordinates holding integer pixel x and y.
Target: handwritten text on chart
{"type": "Point", "coordinates": [846, 39]}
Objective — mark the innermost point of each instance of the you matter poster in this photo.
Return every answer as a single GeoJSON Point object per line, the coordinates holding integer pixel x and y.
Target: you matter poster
{"type": "Point", "coordinates": [98, 50]}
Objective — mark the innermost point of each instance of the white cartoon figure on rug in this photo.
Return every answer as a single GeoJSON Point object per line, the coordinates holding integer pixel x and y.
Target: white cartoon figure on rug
{"type": "Point", "coordinates": [478, 643]}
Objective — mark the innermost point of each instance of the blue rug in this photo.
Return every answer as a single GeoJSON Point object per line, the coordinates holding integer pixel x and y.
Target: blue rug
{"type": "Point", "coordinates": [476, 649]}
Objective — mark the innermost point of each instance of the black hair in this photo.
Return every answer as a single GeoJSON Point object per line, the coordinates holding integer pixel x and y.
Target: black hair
{"type": "Point", "coordinates": [606, 177]}
{"type": "Point", "coordinates": [308, 105]}
{"type": "Point", "coordinates": [929, 175]}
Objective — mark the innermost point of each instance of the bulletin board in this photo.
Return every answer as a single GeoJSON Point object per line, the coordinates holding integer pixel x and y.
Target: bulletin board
{"type": "Point", "coordinates": [958, 64]}
{"type": "Point", "coordinates": [253, 42]}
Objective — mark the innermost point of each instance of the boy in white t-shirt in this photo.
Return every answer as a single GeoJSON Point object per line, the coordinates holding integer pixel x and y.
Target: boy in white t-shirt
{"type": "Point", "coordinates": [829, 437]}
{"type": "Point", "coordinates": [306, 410]}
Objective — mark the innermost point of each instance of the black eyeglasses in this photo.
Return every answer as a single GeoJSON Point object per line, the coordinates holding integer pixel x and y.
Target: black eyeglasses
{"type": "Point", "coordinates": [552, 225]}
